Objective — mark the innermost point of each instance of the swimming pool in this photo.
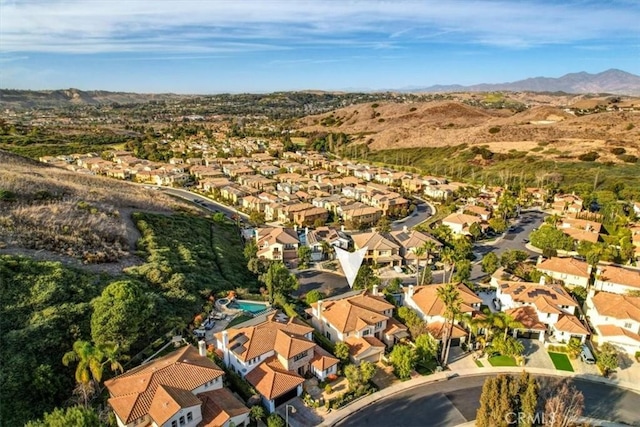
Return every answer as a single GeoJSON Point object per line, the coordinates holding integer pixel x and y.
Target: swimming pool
{"type": "Point", "coordinates": [250, 306]}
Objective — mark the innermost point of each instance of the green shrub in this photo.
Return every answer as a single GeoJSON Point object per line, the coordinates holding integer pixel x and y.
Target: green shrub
{"type": "Point", "coordinates": [628, 158]}
{"type": "Point", "coordinates": [375, 105]}
{"type": "Point", "coordinates": [494, 130]}
{"type": "Point", "coordinates": [591, 156]}
{"type": "Point", "coordinates": [412, 109]}
{"type": "Point", "coordinates": [275, 420]}
{"type": "Point", "coordinates": [618, 151]}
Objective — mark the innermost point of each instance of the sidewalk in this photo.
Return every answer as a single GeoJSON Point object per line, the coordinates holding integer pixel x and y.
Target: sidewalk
{"type": "Point", "coordinates": [337, 416]}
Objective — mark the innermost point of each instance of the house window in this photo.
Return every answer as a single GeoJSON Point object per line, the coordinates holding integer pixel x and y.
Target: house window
{"type": "Point", "coordinates": [189, 417]}
{"type": "Point", "coordinates": [300, 356]}
{"type": "Point", "coordinates": [378, 325]}
{"type": "Point", "coordinates": [174, 423]}
{"type": "Point", "coordinates": [328, 334]}
{"type": "Point", "coordinates": [627, 325]}
{"type": "Point", "coordinates": [366, 332]}
{"type": "Point", "coordinates": [181, 421]}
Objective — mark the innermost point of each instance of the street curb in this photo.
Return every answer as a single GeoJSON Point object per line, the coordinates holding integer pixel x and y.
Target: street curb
{"type": "Point", "coordinates": [358, 405]}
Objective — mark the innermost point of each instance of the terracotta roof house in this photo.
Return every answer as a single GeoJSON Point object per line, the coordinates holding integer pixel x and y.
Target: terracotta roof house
{"type": "Point", "coordinates": [570, 271]}
{"type": "Point", "coordinates": [566, 203]}
{"type": "Point", "coordinates": [221, 408]}
{"type": "Point", "coordinates": [362, 215]}
{"type": "Point", "coordinates": [174, 391]}
{"type": "Point", "coordinates": [616, 278]}
{"type": "Point", "coordinates": [381, 248]}
{"type": "Point", "coordinates": [581, 229]}
{"type": "Point", "coordinates": [273, 353]}
{"type": "Point", "coordinates": [616, 319]}
{"type": "Point", "coordinates": [424, 299]}
{"type": "Point", "coordinates": [410, 240]}
{"type": "Point", "coordinates": [362, 319]}
{"type": "Point", "coordinates": [535, 304]}
{"type": "Point", "coordinates": [459, 223]}
{"type": "Point", "coordinates": [277, 244]}
{"type": "Point", "coordinates": [332, 236]}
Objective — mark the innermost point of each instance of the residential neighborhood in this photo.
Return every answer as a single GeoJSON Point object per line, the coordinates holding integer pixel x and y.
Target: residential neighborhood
{"type": "Point", "coordinates": [301, 206]}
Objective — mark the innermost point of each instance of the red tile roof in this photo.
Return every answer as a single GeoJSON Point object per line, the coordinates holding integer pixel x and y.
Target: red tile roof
{"type": "Point", "coordinates": [134, 392]}
{"type": "Point", "coordinates": [272, 380]}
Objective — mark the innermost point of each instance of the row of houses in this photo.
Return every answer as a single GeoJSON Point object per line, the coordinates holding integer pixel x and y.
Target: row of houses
{"type": "Point", "coordinates": [394, 248]}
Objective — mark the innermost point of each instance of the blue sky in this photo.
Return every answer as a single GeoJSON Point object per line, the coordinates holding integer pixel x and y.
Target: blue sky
{"type": "Point", "coordinates": [200, 46]}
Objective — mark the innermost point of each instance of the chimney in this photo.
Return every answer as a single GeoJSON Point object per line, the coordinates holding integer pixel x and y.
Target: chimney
{"type": "Point", "coordinates": [295, 227]}
{"type": "Point", "coordinates": [342, 228]}
{"type": "Point", "coordinates": [410, 293]}
{"type": "Point", "coordinates": [202, 348]}
{"type": "Point", "coordinates": [543, 280]}
{"type": "Point", "coordinates": [225, 346]}
{"type": "Point", "coordinates": [319, 308]}
{"type": "Point", "coordinates": [375, 290]}
{"type": "Point", "coordinates": [405, 229]}
{"type": "Point", "coordinates": [540, 258]}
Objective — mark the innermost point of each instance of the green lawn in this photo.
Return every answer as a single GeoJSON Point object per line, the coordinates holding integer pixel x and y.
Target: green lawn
{"type": "Point", "coordinates": [561, 361]}
{"type": "Point", "coordinates": [502, 361]}
{"type": "Point", "coordinates": [427, 368]}
{"type": "Point", "coordinates": [479, 363]}
{"type": "Point", "coordinates": [240, 319]}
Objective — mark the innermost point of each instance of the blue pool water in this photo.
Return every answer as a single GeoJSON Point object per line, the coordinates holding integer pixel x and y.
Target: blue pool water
{"type": "Point", "coordinates": [252, 307]}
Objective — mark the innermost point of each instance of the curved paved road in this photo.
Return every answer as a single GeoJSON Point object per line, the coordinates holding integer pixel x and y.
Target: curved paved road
{"type": "Point", "coordinates": [454, 402]}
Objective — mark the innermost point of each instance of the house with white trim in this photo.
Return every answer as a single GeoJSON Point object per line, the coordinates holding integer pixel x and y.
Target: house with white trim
{"type": "Point", "coordinates": [570, 271]}
{"type": "Point", "coordinates": [616, 278]}
{"type": "Point", "coordinates": [181, 389]}
{"type": "Point", "coordinates": [616, 319]}
{"type": "Point", "coordinates": [273, 353]}
{"type": "Point", "coordinates": [361, 319]}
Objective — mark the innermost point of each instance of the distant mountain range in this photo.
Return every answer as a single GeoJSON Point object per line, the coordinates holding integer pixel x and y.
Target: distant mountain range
{"type": "Point", "coordinates": [611, 81]}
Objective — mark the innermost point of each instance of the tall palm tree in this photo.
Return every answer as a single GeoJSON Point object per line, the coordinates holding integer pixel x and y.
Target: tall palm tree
{"type": "Point", "coordinates": [553, 220]}
{"type": "Point", "coordinates": [112, 356]}
{"type": "Point", "coordinates": [327, 249]}
{"type": "Point", "coordinates": [503, 321]}
{"type": "Point", "coordinates": [89, 360]}
{"type": "Point", "coordinates": [429, 247]}
{"type": "Point", "coordinates": [475, 324]}
{"type": "Point", "coordinates": [450, 296]}
{"type": "Point", "coordinates": [448, 258]}
{"type": "Point", "coordinates": [419, 253]}
{"type": "Point", "coordinates": [89, 369]}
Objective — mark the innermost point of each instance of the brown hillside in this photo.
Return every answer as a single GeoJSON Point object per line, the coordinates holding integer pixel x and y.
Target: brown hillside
{"type": "Point", "coordinates": [70, 217]}
{"type": "Point", "coordinates": [433, 124]}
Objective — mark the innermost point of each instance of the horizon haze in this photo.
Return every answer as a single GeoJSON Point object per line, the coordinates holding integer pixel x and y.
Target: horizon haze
{"type": "Point", "coordinates": [265, 46]}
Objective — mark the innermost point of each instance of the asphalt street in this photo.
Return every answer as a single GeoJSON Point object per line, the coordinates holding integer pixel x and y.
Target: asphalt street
{"type": "Point", "coordinates": [456, 401]}
{"type": "Point", "coordinates": [204, 201]}
{"type": "Point", "coordinates": [422, 213]}
{"type": "Point", "coordinates": [513, 239]}
{"type": "Point", "coordinates": [325, 282]}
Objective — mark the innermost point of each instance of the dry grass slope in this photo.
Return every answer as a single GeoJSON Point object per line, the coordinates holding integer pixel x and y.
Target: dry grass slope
{"type": "Point", "coordinates": [81, 217]}
{"type": "Point", "coordinates": [440, 124]}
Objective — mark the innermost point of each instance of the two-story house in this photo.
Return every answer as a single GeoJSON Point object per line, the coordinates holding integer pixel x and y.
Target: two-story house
{"type": "Point", "coordinates": [459, 223]}
{"type": "Point", "coordinates": [362, 320]}
{"type": "Point", "coordinates": [381, 248]}
{"type": "Point", "coordinates": [181, 389]}
{"type": "Point", "coordinates": [273, 353]}
{"type": "Point", "coordinates": [425, 300]}
{"type": "Point", "coordinates": [570, 271]}
{"type": "Point", "coordinates": [410, 240]}
{"type": "Point", "coordinates": [277, 244]}
{"type": "Point", "coordinates": [616, 319]}
{"type": "Point", "coordinates": [329, 235]}
{"type": "Point", "coordinates": [541, 309]}
{"type": "Point", "coordinates": [616, 278]}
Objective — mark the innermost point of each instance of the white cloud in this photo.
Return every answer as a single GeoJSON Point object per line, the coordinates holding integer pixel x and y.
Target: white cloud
{"type": "Point", "coordinates": [86, 26]}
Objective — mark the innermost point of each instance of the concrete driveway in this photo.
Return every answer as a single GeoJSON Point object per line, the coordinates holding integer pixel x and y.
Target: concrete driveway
{"type": "Point", "coordinates": [325, 282]}
{"type": "Point", "coordinates": [536, 355]}
{"type": "Point", "coordinates": [299, 415]}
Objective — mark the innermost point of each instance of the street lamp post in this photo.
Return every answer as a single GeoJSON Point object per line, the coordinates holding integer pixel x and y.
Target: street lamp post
{"type": "Point", "coordinates": [286, 410]}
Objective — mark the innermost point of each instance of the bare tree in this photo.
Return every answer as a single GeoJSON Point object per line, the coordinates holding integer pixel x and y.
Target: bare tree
{"type": "Point", "coordinates": [563, 405]}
